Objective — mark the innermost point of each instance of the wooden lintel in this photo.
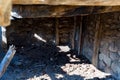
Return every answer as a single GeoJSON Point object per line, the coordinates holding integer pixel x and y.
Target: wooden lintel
{"type": "Point", "coordinates": [97, 40]}
{"type": "Point", "coordinates": [5, 9]}
{"type": "Point", "coordinates": [69, 2]}
{"type": "Point", "coordinates": [37, 11]}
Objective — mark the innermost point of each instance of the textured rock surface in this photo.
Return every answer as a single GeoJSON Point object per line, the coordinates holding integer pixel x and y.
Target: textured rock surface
{"type": "Point", "coordinates": [109, 56]}
{"type": "Point", "coordinates": [21, 32]}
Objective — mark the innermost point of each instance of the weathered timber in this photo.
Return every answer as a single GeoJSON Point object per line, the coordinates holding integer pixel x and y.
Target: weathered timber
{"type": "Point", "coordinates": [78, 34]}
{"type": "Point", "coordinates": [5, 9]}
{"type": "Point", "coordinates": [80, 37]}
{"type": "Point", "coordinates": [97, 40]}
{"type": "Point", "coordinates": [6, 60]}
{"type": "Point", "coordinates": [57, 30]}
{"type": "Point", "coordinates": [74, 34]}
{"type": "Point", "coordinates": [35, 11]}
{"type": "Point", "coordinates": [69, 2]}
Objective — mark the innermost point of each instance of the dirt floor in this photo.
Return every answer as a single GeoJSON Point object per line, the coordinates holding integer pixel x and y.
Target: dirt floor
{"type": "Point", "coordinates": [38, 64]}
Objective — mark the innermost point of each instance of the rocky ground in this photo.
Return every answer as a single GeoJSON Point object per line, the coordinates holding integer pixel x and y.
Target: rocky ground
{"type": "Point", "coordinates": [60, 66]}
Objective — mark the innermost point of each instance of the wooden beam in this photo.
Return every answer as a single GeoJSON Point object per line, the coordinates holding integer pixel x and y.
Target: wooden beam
{"type": "Point", "coordinates": [37, 11]}
{"type": "Point", "coordinates": [73, 34]}
{"type": "Point", "coordinates": [80, 36]}
{"type": "Point", "coordinates": [69, 2]}
{"type": "Point", "coordinates": [5, 9]}
{"type": "Point", "coordinates": [57, 30]}
{"type": "Point", "coordinates": [97, 40]}
{"type": "Point", "coordinates": [76, 34]}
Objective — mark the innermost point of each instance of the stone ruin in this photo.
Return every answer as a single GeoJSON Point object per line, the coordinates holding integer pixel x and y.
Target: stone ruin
{"type": "Point", "coordinates": [21, 33]}
{"type": "Point", "coordinates": [96, 36]}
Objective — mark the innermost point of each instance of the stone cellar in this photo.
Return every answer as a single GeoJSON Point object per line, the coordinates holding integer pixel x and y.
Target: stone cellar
{"type": "Point", "coordinates": [57, 32]}
{"type": "Point", "coordinates": [61, 31]}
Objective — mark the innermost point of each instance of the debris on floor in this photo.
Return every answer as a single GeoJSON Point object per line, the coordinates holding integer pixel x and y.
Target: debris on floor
{"type": "Point", "coordinates": [60, 67]}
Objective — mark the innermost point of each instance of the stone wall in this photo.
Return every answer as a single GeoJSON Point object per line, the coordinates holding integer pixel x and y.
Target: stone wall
{"type": "Point", "coordinates": [66, 29]}
{"type": "Point", "coordinates": [22, 32]}
{"type": "Point", "coordinates": [109, 57]}
{"type": "Point", "coordinates": [109, 52]}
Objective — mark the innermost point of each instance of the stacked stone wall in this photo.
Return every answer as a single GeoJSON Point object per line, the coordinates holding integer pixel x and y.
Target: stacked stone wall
{"type": "Point", "coordinates": [22, 32]}
{"type": "Point", "coordinates": [109, 51]}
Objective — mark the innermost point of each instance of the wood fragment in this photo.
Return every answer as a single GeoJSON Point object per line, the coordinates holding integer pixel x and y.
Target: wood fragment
{"type": "Point", "coordinates": [6, 60]}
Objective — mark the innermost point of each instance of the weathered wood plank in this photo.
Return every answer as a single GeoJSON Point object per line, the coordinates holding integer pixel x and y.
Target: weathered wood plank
{"type": "Point", "coordinates": [73, 35]}
{"type": "Point", "coordinates": [70, 2]}
{"type": "Point", "coordinates": [6, 60]}
{"type": "Point", "coordinates": [97, 40]}
{"type": "Point", "coordinates": [59, 11]}
{"type": "Point", "coordinates": [5, 9]}
{"type": "Point", "coordinates": [80, 36]}
{"type": "Point", "coordinates": [57, 30]}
